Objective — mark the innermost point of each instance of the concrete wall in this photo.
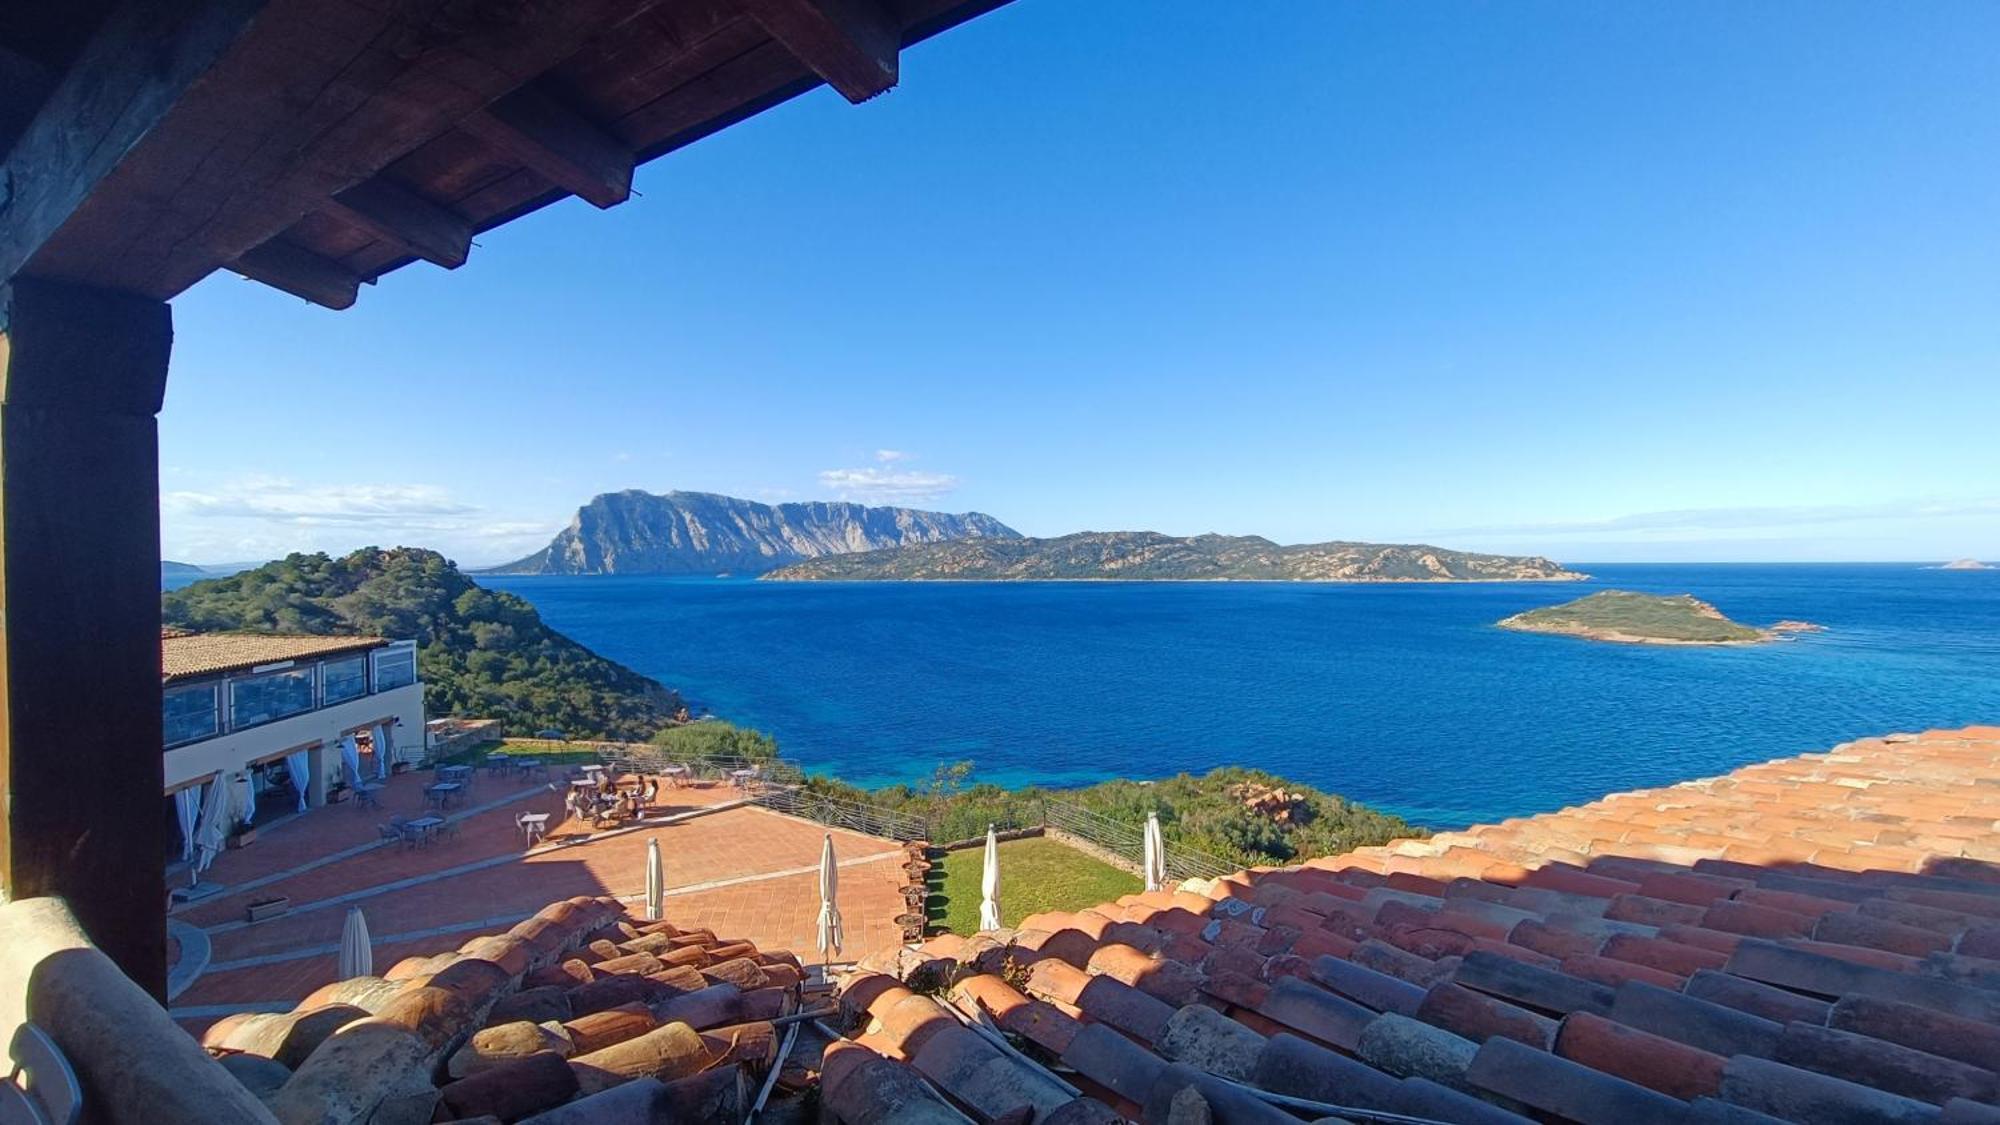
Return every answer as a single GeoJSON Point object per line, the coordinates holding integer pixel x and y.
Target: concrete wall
{"type": "Point", "coordinates": [234, 751]}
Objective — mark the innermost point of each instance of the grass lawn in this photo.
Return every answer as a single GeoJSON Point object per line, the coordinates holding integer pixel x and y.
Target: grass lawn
{"type": "Point", "coordinates": [1035, 875]}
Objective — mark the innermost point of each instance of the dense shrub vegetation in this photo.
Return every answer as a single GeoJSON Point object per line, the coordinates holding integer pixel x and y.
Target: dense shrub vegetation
{"type": "Point", "coordinates": [713, 738]}
{"type": "Point", "coordinates": [480, 652]}
{"type": "Point", "coordinates": [1212, 813]}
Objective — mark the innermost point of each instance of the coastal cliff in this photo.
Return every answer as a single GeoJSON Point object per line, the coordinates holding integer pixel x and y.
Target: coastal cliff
{"type": "Point", "coordinates": [1151, 556]}
{"type": "Point", "coordinates": [1628, 618]}
{"type": "Point", "coordinates": [637, 532]}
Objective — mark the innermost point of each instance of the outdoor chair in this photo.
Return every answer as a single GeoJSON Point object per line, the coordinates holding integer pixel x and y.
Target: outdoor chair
{"type": "Point", "coordinates": [389, 832]}
{"type": "Point", "coordinates": [41, 1088]}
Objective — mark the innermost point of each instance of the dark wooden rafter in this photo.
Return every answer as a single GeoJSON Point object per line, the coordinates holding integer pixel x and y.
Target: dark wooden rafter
{"type": "Point", "coordinates": [208, 175]}
{"type": "Point", "coordinates": [852, 44]}
{"type": "Point", "coordinates": [403, 218]}
{"type": "Point", "coordinates": [557, 143]}
{"type": "Point", "coordinates": [300, 272]}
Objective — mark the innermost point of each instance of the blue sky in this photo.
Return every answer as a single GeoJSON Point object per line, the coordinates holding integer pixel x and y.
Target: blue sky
{"type": "Point", "coordinates": [1687, 281]}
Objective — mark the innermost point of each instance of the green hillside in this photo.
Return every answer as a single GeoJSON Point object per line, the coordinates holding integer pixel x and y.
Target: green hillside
{"type": "Point", "coordinates": [480, 652]}
{"type": "Point", "coordinates": [1620, 615]}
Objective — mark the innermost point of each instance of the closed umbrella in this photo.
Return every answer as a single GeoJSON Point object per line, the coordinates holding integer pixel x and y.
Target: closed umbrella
{"type": "Point", "coordinates": [989, 884]}
{"type": "Point", "coordinates": [383, 748]}
{"type": "Point", "coordinates": [245, 804]}
{"type": "Point", "coordinates": [828, 939]}
{"type": "Point", "coordinates": [656, 882]}
{"type": "Point", "coordinates": [357, 957]}
{"type": "Point", "coordinates": [187, 807]}
{"type": "Point", "coordinates": [1156, 854]}
{"type": "Point", "coordinates": [213, 827]}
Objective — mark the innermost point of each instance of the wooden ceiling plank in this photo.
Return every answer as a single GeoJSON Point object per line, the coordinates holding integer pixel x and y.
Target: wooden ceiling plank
{"type": "Point", "coordinates": [311, 100]}
{"type": "Point", "coordinates": [852, 44]}
{"type": "Point", "coordinates": [557, 143]}
{"type": "Point", "coordinates": [299, 272]}
{"type": "Point", "coordinates": [396, 214]}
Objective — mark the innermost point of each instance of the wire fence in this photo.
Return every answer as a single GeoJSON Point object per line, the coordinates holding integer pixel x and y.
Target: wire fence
{"type": "Point", "coordinates": [836, 812]}
{"type": "Point", "coordinates": [778, 784]}
{"type": "Point", "coordinates": [1128, 841]}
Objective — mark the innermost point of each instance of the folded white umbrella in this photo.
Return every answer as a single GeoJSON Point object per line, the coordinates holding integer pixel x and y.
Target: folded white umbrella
{"type": "Point", "coordinates": [828, 938]}
{"type": "Point", "coordinates": [989, 884]}
{"type": "Point", "coordinates": [187, 807]}
{"type": "Point", "coordinates": [1156, 854]}
{"type": "Point", "coordinates": [656, 882]}
{"type": "Point", "coordinates": [357, 957]}
{"type": "Point", "coordinates": [213, 828]}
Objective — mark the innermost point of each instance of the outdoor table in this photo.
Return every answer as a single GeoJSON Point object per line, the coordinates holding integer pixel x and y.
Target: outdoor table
{"type": "Point", "coordinates": [443, 792]}
{"type": "Point", "coordinates": [496, 763]}
{"type": "Point", "coordinates": [367, 797]}
{"type": "Point", "coordinates": [583, 783]}
{"type": "Point", "coordinates": [675, 775]}
{"type": "Point", "coordinates": [426, 827]}
{"type": "Point", "coordinates": [527, 765]}
{"type": "Point", "coordinates": [455, 773]}
{"type": "Point", "coordinates": [533, 825]}
{"type": "Point", "coordinates": [593, 769]}
{"type": "Point", "coordinates": [741, 778]}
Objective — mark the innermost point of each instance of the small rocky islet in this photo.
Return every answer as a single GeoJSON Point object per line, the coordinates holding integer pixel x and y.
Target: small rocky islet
{"type": "Point", "coordinates": [1625, 617]}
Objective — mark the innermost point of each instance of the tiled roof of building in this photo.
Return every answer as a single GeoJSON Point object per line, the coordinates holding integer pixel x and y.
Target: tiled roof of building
{"type": "Point", "coordinates": [576, 1015]}
{"type": "Point", "coordinates": [184, 654]}
{"type": "Point", "coordinates": [1810, 940]}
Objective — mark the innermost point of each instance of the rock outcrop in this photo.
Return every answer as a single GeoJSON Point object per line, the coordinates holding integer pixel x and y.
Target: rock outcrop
{"type": "Point", "coordinates": [637, 532]}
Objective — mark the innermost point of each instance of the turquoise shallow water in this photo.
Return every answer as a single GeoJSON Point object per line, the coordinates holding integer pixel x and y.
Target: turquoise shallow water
{"type": "Point", "coordinates": [1404, 696]}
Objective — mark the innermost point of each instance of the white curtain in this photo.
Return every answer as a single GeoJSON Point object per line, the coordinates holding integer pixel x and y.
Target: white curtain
{"type": "Point", "coordinates": [297, 769]}
{"type": "Point", "coordinates": [209, 834]}
{"type": "Point", "coordinates": [187, 806]}
{"type": "Point", "coordinates": [350, 760]}
{"type": "Point", "coordinates": [383, 748]}
{"type": "Point", "coordinates": [244, 804]}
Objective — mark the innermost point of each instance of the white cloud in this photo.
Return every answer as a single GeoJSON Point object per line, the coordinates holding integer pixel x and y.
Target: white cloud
{"type": "Point", "coordinates": [281, 500]}
{"type": "Point", "coordinates": [265, 517]}
{"type": "Point", "coordinates": [891, 456]}
{"type": "Point", "coordinates": [876, 485]}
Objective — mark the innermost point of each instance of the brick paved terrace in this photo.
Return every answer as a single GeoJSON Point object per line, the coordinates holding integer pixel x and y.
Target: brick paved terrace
{"type": "Point", "coordinates": [730, 866]}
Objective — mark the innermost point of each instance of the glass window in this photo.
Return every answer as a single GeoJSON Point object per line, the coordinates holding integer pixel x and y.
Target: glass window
{"type": "Point", "coordinates": [274, 695]}
{"type": "Point", "coordinates": [395, 668]}
{"type": "Point", "coordinates": [188, 713]}
{"type": "Point", "coordinates": [344, 679]}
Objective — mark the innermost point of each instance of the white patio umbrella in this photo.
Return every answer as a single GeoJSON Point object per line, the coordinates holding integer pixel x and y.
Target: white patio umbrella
{"type": "Point", "coordinates": [357, 956]}
{"type": "Point", "coordinates": [656, 882]}
{"type": "Point", "coordinates": [187, 807]}
{"type": "Point", "coordinates": [1156, 854]}
{"type": "Point", "coordinates": [828, 939]}
{"type": "Point", "coordinates": [213, 828]}
{"type": "Point", "coordinates": [989, 883]}
{"type": "Point", "coordinates": [383, 749]}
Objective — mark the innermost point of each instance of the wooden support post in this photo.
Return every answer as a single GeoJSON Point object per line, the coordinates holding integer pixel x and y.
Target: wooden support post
{"type": "Point", "coordinates": [82, 373]}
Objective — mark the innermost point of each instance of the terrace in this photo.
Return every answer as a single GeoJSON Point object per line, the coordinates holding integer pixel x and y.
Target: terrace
{"type": "Point", "coordinates": [731, 867]}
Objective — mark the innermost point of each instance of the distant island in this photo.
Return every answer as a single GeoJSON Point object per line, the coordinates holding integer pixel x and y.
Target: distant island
{"type": "Point", "coordinates": [636, 532]}
{"type": "Point", "coordinates": [1151, 556]}
{"type": "Point", "coordinates": [172, 569]}
{"type": "Point", "coordinates": [1652, 619]}
{"type": "Point", "coordinates": [1964, 564]}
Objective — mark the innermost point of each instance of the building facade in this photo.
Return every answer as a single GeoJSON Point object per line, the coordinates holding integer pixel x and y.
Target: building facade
{"type": "Point", "coordinates": [241, 706]}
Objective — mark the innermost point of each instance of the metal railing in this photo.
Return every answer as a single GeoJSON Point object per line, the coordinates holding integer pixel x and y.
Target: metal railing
{"type": "Point", "coordinates": [838, 812]}
{"type": "Point", "coordinates": [1129, 841]}
{"type": "Point", "coordinates": [643, 757]}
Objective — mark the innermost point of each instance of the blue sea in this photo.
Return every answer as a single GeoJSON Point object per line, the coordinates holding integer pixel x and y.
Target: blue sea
{"type": "Point", "coordinates": [1405, 697]}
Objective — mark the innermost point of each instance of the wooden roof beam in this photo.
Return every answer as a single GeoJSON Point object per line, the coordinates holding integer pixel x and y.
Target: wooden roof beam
{"type": "Point", "coordinates": [557, 143]}
{"type": "Point", "coordinates": [397, 215]}
{"type": "Point", "coordinates": [300, 272]}
{"type": "Point", "coordinates": [852, 44]}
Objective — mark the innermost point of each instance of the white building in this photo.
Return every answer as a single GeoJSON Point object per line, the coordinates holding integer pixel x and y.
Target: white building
{"type": "Point", "coordinates": [241, 705]}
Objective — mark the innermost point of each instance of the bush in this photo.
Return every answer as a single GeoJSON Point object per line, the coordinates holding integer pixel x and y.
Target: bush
{"type": "Point", "coordinates": [713, 738]}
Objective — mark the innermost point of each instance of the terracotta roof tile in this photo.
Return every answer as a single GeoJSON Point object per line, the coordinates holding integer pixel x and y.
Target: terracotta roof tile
{"type": "Point", "coordinates": [1809, 939]}
{"type": "Point", "coordinates": [185, 655]}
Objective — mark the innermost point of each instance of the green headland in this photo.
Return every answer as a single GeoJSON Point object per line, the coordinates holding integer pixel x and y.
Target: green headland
{"type": "Point", "coordinates": [1630, 618]}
